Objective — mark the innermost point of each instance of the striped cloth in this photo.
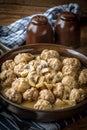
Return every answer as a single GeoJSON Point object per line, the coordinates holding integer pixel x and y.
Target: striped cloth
{"type": "Point", "coordinates": [13, 36]}
{"type": "Point", "coordinates": [10, 124]}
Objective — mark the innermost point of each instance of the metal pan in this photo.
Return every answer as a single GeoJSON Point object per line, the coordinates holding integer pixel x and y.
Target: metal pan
{"type": "Point", "coordinates": [40, 115]}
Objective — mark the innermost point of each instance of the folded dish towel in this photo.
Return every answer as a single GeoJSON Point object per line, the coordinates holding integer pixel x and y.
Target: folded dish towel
{"type": "Point", "coordinates": [10, 121]}
{"type": "Point", "coordinates": [14, 35]}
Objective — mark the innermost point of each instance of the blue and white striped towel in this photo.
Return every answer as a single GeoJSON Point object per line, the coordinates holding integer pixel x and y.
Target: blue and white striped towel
{"type": "Point", "coordinates": [8, 124]}
{"type": "Point", "coordinates": [14, 35]}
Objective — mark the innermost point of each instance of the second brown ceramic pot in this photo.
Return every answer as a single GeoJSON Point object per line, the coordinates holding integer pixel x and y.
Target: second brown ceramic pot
{"type": "Point", "coordinates": [67, 30]}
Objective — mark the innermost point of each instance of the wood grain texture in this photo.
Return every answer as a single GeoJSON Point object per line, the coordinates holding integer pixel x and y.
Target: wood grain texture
{"type": "Point", "coordinates": [46, 3]}
{"type": "Point", "coordinates": [12, 10]}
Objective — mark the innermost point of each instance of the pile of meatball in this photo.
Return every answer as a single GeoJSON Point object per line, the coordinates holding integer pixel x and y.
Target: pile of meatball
{"type": "Point", "coordinates": [48, 79]}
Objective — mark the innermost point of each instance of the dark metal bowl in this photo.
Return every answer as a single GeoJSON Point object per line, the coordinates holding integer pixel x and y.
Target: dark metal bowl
{"type": "Point", "coordinates": [40, 115]}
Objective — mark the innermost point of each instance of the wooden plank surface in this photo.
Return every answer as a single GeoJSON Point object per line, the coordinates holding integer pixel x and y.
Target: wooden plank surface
{"type": "Point", "coordinates": [45, 3]}
{"type": "Point", "coordinates": [15, 9]}
{"type": "Point", "coordinates": [10, 12]}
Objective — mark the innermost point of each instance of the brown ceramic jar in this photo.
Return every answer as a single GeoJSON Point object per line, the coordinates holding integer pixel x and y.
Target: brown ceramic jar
{"type": "Point", "coordinates": [39, 30]}
{"type": "Point", "coordinates": [67, 30]}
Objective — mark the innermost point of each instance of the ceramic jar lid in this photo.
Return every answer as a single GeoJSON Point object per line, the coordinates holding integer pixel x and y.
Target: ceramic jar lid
{"type": "Point", "coordinates": [39, 30]}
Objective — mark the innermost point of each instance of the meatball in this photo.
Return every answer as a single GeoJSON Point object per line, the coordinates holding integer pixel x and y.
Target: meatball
{"type": "Point", "coordinates": [18, 69]}
{"type": "Point", "coordinates": [8, 64]}
{"type": "Point", "coordinates": [58, 90]}
{"type": "Point", "coordinates": [47, 54]}
{"type": "Point", "coordinates": [73, 62]}
{"type": "Point", "coordinates": [83, 77]}
{"type": "Point", "coordinates": [31, 94]}
{"type": "Point", "coordinates": [23, 57]}
{"type": "Point", "coordinates": [20, 84]}
{"type": "Point", "coordinates": [69, 70]}
{"type": "Point", "coordinates": [69, 81]}
{"type": "Point", "coordinates": [42, 104]}
{"type": "Point", "coordinates": [55, 64]}
{"type": "Point", "coordinates": [77, 94]}
{"type": "Point", "coordinates": [13, 95]}
{"type": "Point", "coordinates": [7, 77]}
{"type": "Point", "coordinates": [23, 69]}
{"type": "Point", "coordinates": [47, 95]}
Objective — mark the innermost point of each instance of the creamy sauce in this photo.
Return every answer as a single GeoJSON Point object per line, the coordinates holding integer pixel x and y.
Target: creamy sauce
{"type": "Point", "coordinates": [28, 104]}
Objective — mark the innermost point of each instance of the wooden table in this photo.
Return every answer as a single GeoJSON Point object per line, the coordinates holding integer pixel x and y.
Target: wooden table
{"type": "Point", "coordinates": [12, 10]}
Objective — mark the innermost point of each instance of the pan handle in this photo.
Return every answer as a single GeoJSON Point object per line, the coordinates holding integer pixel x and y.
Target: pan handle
{"type": "Point", "coordinates": [3, 49]}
